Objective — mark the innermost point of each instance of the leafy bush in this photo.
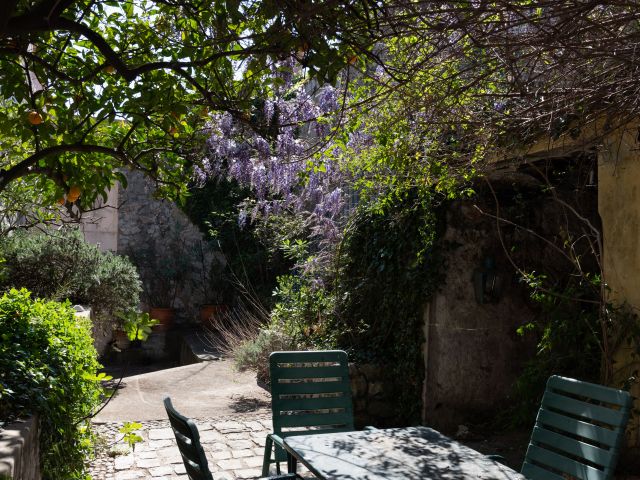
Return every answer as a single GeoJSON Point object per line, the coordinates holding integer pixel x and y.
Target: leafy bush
{"type": "Point", "coordinates": [303, 311]}
{"type": "Point", "coordinates": [48, 365]}
{"type": "Point", "coordinates": [569, 344]}
{"type": "Point", "coordinates": [254, 354]}
{"type": "Point", "coordinates": [61, 265]}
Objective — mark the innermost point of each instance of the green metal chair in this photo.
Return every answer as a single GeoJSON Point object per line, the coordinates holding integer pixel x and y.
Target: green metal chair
{"type": "Point", "coordinates": [188, 439]}
{"type": "Point", "coordinates": [578, 431]}
{"type": "Point", "coordinates": [310, 393]}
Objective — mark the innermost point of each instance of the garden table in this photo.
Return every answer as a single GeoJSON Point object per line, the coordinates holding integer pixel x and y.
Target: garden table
{"type": "Point", "coordinates": [395, 453]}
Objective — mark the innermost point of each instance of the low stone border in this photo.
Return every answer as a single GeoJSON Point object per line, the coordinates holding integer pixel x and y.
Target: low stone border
{"type": "Point", "coordinates": [20, 450]}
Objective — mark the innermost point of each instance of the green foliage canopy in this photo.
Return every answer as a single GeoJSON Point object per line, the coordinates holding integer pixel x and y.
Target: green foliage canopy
{"type": "Point", "coordinates": [48, 365]}
{"type": "Point", "coordinates": [91, 86]}
{"type": "Point", "coordinates": [63, 266]}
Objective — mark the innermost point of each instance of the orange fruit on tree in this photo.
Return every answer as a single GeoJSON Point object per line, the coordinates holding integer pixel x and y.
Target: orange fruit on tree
{"type": "Point", "coordinates": [74, 193]}
{"type": "Point", "coordinates": [110, 69]}
{"type": "Point", "coordinates": [61, 201]}
{"type": "Point", "coordinates": [34, 117]}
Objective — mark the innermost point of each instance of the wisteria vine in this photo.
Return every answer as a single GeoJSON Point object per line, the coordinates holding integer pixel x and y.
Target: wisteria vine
{"type": "Point", "coordinates": [287, 160]}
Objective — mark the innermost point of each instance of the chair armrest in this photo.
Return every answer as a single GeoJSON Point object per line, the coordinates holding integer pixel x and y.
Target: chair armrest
{"type": "Point", "coordinates": [277, 439]}
{"type": "Point", "coordinates": [497, 458]}
{"type": "Point", "coordinates": [285, 476]}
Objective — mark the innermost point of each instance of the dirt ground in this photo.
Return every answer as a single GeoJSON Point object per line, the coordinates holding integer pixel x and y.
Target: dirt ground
{"type": "Point", "coordinates": [210, 389]}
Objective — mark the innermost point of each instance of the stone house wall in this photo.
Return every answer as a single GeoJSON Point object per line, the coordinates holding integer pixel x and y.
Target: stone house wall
{"type": "Point", "coordinates": [472, 352]}
{"type": "Point", "coordinates": [370, 394]}
{"type": "Point", "coordinates": [160, 239]}
{"type": "Point", "coordinates": [619, 207]}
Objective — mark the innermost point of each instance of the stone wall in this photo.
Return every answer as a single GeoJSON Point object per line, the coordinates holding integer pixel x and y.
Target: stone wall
{"type": "Point", "coordinates": [165, 246]}
{"type": "Point", "coordinates": [619, 207]}
{"type": "Point", "coordinates": [100, 226]}
{"type": "Point", "coordinates": [20, 451]}
{"type": "Point", "coordinates": [472, 352]}
{"type": "Point", "coordinates": [370, 392]}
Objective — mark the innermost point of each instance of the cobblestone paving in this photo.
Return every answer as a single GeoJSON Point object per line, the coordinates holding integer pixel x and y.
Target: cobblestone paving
{"type": "Point", "coordinates": [234, 448]}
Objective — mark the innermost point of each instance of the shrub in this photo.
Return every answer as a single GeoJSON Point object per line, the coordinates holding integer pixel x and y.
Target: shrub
{"type": "Point", "coordinates": [48, 365]}
{"type": "Point", "coordinates": [253, 354]}
{"type": "Point", "coordinates": [389, 267]}
{"type": "Point", "coordinates": [303, 311]}
{"type": "Point", "coordinates": [61, 265]}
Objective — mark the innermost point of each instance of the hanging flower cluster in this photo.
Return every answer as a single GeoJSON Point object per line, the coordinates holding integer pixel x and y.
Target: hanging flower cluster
{"type": "Point", "coordinates": [277, 158]}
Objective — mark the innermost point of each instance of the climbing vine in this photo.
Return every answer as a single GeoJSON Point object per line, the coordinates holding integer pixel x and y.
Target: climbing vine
{"type": "Point", "coordinates": [388, 268]}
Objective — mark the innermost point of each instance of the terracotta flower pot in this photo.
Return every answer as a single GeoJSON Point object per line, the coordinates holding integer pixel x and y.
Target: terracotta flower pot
{"type": "Point", "coordinates": [164, 315]}
{"type": "Point", "coordinates": [121, 339]}
{"type": "Point", "coordinates": [210, 314]}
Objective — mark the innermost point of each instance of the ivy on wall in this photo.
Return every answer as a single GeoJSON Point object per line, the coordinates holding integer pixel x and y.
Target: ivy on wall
{"type": "Point", "coordinates": [388, 269]}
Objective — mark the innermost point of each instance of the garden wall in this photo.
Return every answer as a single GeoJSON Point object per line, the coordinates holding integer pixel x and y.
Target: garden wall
{"type": "Point", "coordinates": [472, 351]}
{"type": "Point", "coordinates": [163, 243]}
{"type": "Point", "coordinates": [371, 393]}
{"type": "Point", "coordinates": [619, 207]}
{"type": "Point", "coordinates": [19, 450]}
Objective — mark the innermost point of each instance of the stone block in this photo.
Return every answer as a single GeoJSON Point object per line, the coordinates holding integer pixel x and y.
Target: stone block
{"type": "Point", "coordinates": [255, 461]}
{"type": "Point", "coordinates": [161, 434]}
{"type": "Point", "coordinates": [248, 473]}
{"type": "Point", "coordinates": [241, 453]}
{"type": "Point", "coordinates": [222, 476]}
{"type": "Point", "coordinates": [232, 464]}
{"type": "Point", "coordinates": [161, 471]}
{"type": "Point", "coordinates": [211, 436]}
{"type": "Point", "coordinates": [148, 462]}
{"type": "Point", "coordinates": [212, 447]}
{"type": "Point", "coordinates": [145, 453]}
{"type": "Point", "coordinates": [220, 455]}
{"type": "Point", "coordinates": [240, 444]}
{"type": "Point", "coordinates": [376, 389]}
{"type": "Point", "coordinates": [358, 387]}
{"type": "Point", "coordinates": [228, 427]}
{"type": "Point", "coordinates": [19, 450]}
{"type": "Point", "coordinates": [158, 444]}
{"type": "Point", "coordinates": [254, 426]}
{"type": "Point", "coordinates": [123, 462]}
{"type": "Point", "coordinates": [128, 475]}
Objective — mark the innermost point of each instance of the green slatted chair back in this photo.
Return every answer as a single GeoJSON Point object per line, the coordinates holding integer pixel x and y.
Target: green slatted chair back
{"type": "Point", "coordinates": [578, 431]}
{"type": "Point", "coordinates": [188, 440]}
{"type": "Point", "coordinates": [310, 393]}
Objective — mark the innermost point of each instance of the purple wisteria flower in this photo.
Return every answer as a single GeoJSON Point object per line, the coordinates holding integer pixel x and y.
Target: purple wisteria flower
{"type": "Point", "coordinates": [281, 167]}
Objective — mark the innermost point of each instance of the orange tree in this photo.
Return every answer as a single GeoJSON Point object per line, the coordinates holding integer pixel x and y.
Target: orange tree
{"type": "Point", "coordinates": [91, 86]}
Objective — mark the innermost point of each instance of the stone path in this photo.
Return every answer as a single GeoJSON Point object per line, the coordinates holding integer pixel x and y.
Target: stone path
{"type": "Point", "coordinates": [234, 448]}
{"type": "Point", "coordinates": [233, 440]}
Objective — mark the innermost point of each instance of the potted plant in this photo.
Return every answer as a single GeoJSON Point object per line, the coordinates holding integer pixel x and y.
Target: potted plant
{"type": "Point", "coordinates": [213, 285]}
{"type": "Point", "coordinates": [135, 328]}
{"type": "Point", "coordinates": [164, 272]}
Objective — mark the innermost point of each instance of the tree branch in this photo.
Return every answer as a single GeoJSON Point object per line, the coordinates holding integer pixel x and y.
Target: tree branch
{"type": "Point", "coordinates": [25, 166]}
